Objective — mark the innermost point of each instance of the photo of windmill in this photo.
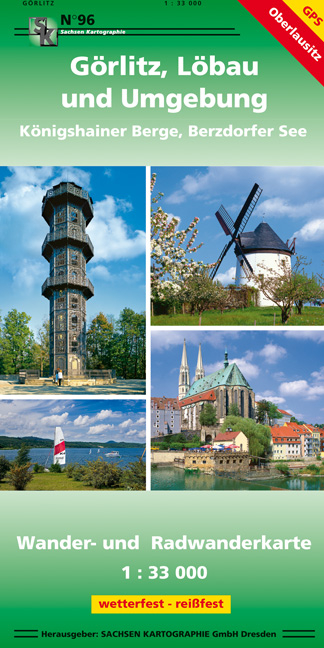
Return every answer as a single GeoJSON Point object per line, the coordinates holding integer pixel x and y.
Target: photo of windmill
{"type": "Point", "coordinates": [262, 248]}
{"type": "Point", "coordinates": [272, 283]}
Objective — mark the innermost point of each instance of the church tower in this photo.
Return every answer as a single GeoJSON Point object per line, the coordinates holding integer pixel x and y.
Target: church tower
{"type": "Point", "coordinates": [226, 359]}
{"type": "Point", "coordinates": [67, 209]}
{"type": "Point", "coordinates": [184, 376]}
{"type": "Point", "coordinates": [200, 371]}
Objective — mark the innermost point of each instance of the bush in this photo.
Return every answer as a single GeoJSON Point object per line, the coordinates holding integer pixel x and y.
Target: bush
{"type": "Point", "coordinates": [79, 472]}
{"type": "Point", "coordinates": [134, 476]}
{"type": "Point", "coordinates": [4, 466]}
{"type": "Point", "coordinates": [38, 468]}
{"type": "Point", "coordinates": [19, 476]}
{"type": "Point", "coordinates": [70, 469]}
{"type": "Point", "coordinates": [55, 468]}
{"type": "Point", "coordinates": [283, 468]}
{"type": "Point", "coordinates": [101, 474]}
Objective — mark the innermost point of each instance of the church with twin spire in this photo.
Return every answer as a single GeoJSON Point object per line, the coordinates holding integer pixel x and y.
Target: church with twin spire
{"type": "Point", "coordinates": [222, 388]}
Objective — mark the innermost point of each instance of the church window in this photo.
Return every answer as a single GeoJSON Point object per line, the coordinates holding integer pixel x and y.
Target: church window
{"type": "Point", "coordinates": [242, 403]}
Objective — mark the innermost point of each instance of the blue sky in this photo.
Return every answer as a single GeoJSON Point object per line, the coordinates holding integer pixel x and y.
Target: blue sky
{"type": "Point", "coordinates": [80, 420]}
{"type": "Point", "coordinates": [286, 368]}
{"type": "Point", "coordinates": [292, 203]}
{"type": "Point", "coordinates": [117, 231]}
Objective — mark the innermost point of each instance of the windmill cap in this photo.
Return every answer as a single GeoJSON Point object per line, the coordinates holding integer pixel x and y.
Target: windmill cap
{"type": "Point", "coordinates": [263, 238]}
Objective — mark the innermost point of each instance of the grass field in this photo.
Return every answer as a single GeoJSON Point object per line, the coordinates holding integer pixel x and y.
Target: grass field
{"type": "Point", "coordinates": [254, 316]}
{"type": "Point", "coordinates": [50, 482]}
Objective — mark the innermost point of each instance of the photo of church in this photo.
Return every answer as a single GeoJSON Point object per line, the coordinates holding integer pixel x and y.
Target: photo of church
{"type": "Point", "coordinates": [233, 410]}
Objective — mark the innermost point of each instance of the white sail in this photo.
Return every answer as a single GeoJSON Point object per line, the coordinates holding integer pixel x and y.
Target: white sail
{"type": "Point", "coordinates": [59, 447]}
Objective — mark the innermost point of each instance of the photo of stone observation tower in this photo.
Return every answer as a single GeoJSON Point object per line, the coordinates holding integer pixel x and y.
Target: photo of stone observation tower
{"type": "Point", "coordinates": [67, 209]}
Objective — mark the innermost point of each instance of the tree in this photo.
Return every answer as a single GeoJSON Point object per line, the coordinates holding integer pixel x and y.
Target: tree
{"type": "Point", "coordinates": [233, 410]}
{"type": "Point", "coordinates": [4, 466]}
{"type": "Point", "coordinates": [207, 416]}
{"type": "Point", "coordinates": [259, 436]}
{"type": "Point", "coordinates": [309, 290]}
{"type": "Point", "coordinates": [41, 349]}
{"type": "Point", "coordinates": [284, 286]}
{"type": "Point", "coordinates": [170, 251]}
{"type": "Point", "coordinates": [100, 342]}
{"type": "Point", "coordinates": [267, 410]}
{"type": "Point", "coordinates": [129, 345]}
{"type": "Point", "coordinates": [23, 456]}
{"type": "Point", "coordinates": [17, 342]}
{"type": "Point", "coordinates": [201, 292]}
{"type": "Point", "coordinates": [19, 476]}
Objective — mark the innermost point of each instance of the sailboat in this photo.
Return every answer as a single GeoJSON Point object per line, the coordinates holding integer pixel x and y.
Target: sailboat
{"type": "Point", "coordinates": [59, 447]}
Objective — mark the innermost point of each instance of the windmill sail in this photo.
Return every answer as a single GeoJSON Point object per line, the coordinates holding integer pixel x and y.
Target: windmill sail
{"type": "Point", "coordinates": [59, 447]}
{"type": "Point", "coordinates": [235, 229]}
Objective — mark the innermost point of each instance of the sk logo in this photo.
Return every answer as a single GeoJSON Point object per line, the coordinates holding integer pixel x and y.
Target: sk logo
{"type": "Point", "coordinates": [48, 36]}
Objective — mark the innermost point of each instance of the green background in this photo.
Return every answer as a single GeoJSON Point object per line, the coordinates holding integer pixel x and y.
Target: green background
{"type": "Point", "coordinates": [34, 79]}
{"type": "Point", "coordinates": [270, 590]}
{"type": "Point", "coordinates": [51, 590]}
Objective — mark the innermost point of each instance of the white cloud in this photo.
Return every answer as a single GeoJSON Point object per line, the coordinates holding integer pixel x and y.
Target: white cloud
{"type": "Point", "coordinates": [226, 277]}
{"type": "Point", "coordinates": [248, 369]}
{"type": "Point", "coordinates": [81, 420]}
{"type": "Point", "coordinates": [289, 186]}
{"type": "Point", "coordinates": [55, 419]}
{"type": "Point", "coordinates": [100, 272]}
{"type": "Point", "coordinates": [268, 395]}
{"type": "Point", "coordinates": [111, 236]}
{"type": "Point", "coordinates": [163, 340]}
{"type": "Point", "coordinates": [312, 231]}
{"type": "Point", "coordinates": [126, 423]}
{"type": "Point", "coordinates": [316, 336]}
{"type": "Point", "coordinates": [103, 414]}
{"type": "Point", "coordinates": [99, 429]}
{"type": "Point", "coordinates": [141, 421]}
{"type": "Point", "coordinates": [319, 375]}
{"type": "Point", "coordinates": [273, 353]}
{"type": "Point", "coordinates": [301, 389]}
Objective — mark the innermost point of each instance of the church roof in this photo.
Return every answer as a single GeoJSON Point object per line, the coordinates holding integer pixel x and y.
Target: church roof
{"type": "Point", "coordinates": [263, 238]}
{"type": "Point", "coordinates": [230, 376]}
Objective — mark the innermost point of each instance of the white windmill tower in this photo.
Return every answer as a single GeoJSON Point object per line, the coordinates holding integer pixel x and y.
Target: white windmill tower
{"type": "Point", "coordinates": [255, 251]}
{"type": "Point", "coordinates": [265, 252]}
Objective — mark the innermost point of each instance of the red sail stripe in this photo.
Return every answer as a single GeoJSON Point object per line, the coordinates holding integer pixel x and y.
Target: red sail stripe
{"type": "Point", "coordinates": [60, 447]}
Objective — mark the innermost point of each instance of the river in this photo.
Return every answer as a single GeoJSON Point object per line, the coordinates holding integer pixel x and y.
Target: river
{"type": "Point", "coordinates": [169, 478]}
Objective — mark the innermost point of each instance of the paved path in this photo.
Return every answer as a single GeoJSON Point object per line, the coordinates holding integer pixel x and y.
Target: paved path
{"type": "Point", "coordinates": [120, 388]}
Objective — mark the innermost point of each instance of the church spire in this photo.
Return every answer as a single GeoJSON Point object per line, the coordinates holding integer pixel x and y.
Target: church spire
{"type": "Point", "coordinates": [200, 371]}
{"type": "Point", "coordinates": [226, 359]}
{"type": "Point", "coordinates": [184, 375]}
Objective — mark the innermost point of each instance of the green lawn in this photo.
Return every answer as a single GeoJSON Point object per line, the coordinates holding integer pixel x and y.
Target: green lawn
{"type": "Point", "coordinates": [311, 316]}
{"type": "Point", "coordinates": [49, 482]}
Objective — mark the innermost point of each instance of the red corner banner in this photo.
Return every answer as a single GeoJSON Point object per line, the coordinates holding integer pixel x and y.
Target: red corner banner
{"type": "Point", "coordinates": [291, 32]}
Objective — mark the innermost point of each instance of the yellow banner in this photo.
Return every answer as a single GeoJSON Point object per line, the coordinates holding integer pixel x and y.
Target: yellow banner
{"type": "Point", "coordinates": [161, 604]}
{"type": "Point", "coordinates": [311, 13]}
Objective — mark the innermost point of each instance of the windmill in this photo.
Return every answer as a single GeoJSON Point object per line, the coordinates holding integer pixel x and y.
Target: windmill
{"type": "Point", "coordinates": [235, 229]}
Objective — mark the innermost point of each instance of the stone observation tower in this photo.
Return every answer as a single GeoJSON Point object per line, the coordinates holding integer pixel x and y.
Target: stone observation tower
{"type": "Point", "coordinates": [67, 209]}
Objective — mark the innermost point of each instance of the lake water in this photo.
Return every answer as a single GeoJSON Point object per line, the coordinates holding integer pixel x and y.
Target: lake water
{"type": "Point", "coordinates": [169, 478]}
{"type": "Point", "coordinates": [44, 456]}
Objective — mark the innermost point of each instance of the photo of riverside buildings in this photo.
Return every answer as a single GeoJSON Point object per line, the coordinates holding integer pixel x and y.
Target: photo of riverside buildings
{"type": "Point", "coordinates": [218, 451]}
